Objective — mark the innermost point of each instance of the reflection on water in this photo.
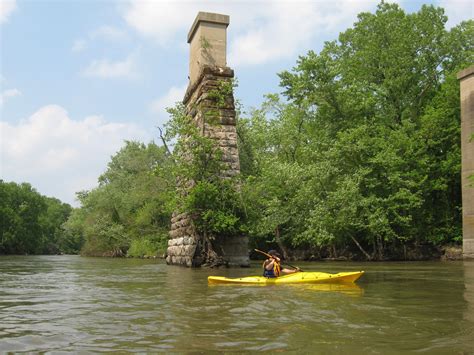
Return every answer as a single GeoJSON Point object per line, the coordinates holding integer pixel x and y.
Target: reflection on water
{"type": "Point", "coordinates": [74, 304]}
{"type": "Point", "coordinates": [351, 289]}
{"type": "Point", "coordinates": [469, 290]}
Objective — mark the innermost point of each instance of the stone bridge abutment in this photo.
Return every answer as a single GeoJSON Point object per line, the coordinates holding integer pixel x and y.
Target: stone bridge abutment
{"type": "Point", "coordinates": [466, 78]}
{"type": "Point", "coordinates": [208, 72]}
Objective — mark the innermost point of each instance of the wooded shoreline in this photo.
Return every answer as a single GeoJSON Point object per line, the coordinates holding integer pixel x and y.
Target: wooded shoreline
{"type": "Point", "coordinates": [358, 158]}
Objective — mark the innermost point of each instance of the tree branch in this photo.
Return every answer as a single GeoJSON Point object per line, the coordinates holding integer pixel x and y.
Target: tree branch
{"type": "Point", "coordinates": [163, 140]}
{"type": "Point", "coordinates": [361, 249]}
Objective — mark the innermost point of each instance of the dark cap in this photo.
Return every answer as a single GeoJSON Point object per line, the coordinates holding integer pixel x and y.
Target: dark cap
{"type": "Point", "coordinates": [274, 253]}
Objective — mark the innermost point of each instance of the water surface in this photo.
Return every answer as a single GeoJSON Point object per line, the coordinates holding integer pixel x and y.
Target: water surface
{"type": "Point", "coordinates": [76, 304]}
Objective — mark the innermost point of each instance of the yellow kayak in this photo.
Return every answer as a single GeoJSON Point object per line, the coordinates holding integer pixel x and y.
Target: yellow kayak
{"type": "Point", "coordinates": [296, 278]}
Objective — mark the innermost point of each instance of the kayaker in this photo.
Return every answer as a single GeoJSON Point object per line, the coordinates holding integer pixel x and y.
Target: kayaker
{"type": "Point", "coordinates": [272, 266]}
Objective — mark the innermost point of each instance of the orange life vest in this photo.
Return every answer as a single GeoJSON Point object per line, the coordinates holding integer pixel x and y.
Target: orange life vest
{"type": "Point", "coordinates": [276, 267]}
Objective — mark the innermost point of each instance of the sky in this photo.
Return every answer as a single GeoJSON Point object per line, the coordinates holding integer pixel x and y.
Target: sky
{"type": "Point", "coordinates": [79, 77]}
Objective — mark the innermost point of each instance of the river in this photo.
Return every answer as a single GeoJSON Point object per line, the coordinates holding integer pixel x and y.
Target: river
{"type": "Point", "coordinates": [77, 304]}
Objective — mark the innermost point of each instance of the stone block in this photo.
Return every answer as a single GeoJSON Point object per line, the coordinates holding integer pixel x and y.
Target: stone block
{"type": "Point", "coordinates": [189, 240]}
{"type": "Point", "coordinates": [228, 128]}
{"type": "Point", "coordinates": [189, 249]}
{"type": "Point", "coordinates": [231, 136]}
{"type": "Point", "coordinates": [220, 135]}
{"type": "Point", "coordinates": [173, 233]}
{"type": "Point", "coordinates": [176, 251]}
{"type": "Point", "coordinates": [228, 120]}
{"type": "Point", "coordinates": [468, 248]}
{"type": "Point", "coordinates": [224, 143]}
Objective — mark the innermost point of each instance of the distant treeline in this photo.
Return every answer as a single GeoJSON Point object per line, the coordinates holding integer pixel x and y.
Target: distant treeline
{"type": "Point", "coordinates": [129, 212]}
{"type": "Point", "coordinates": [32, 224]}
{"type": "Point", "coordinates": [359, 157]}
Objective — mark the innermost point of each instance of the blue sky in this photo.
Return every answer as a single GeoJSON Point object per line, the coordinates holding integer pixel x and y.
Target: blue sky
{"type": "Point", "coordinates": [80, 77]}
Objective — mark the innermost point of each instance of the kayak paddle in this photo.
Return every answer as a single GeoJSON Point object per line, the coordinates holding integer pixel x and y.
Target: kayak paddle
{"type": "Point", "coordinates": [270, 256]}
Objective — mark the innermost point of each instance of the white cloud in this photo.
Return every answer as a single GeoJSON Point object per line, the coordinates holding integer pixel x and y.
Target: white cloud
{"type": "Point", "coordinates": [285, 29]}
{"type": "Point", "coordinates": [159, 106]}
{"type": "Point", "coordinates": [7, 94]}
{"type": "Point", "coordinates": [79, 45]}
{"type": "Point", "coordinates": [160, 20]}
{"type": "Point", "coordinates": [58, 155]}
{"type": "Point", "coordinates": [105, 32]}
{"type": "Point", "coordinates": [107, 69]}
{"type": "Point", "coordinates": [6, 9]}
{"type": "Point", "coordinates": [272, 30]}
{"type": "Point", "coordinates": [457, 11]}
{"type": "Point", "coordinates": [108, 33]}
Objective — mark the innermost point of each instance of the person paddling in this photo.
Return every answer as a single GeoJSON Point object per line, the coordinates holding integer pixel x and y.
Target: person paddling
{"type": "Point", "coordinates": [272, 266]}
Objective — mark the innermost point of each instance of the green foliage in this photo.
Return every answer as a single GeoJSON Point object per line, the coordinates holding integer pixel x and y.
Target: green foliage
{"type": "Point", "coordinates": [214, 201]}
{"type": "Point", "coordinates": [361, 156]}
{"type": "Point", "coordinates": [31, 223]}
{"type": "Point", "coordinates": [55, 238]}
{"type": "Point", "coordinates": [366, 150]}
{"type": "Point", "coordinates": [130, 211]}
{"type": "Point", "coordinates": [147, 246]}
{"type": "Point", "coordinates": [130, 204]}
{"type": "Point", "coordinates": [216, 204]}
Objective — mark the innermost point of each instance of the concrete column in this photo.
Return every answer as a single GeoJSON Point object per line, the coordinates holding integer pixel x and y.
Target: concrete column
{"type": "Point", "coordinates": [208, 43]}
{"type": "Point", "coordinates": [466, 78]}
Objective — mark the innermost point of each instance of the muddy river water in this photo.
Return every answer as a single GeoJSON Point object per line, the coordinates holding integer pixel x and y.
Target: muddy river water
{"type": "Point", "coordinates": [77, 304]}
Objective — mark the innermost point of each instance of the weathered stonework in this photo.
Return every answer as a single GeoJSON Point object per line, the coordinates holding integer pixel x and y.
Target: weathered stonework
{"type": "Point", "coordinates": [208, 43]}
{"type": "Point", "coordinates": [183, 241]}
{"type": "Point", "coordinates": [208, 73]}
{"type": "Point", "coordinates": [466, 78]}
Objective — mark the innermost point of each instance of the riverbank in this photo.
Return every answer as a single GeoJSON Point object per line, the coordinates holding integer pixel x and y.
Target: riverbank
{"type": "Point", "coordinates": [427, 253]}
{"type": "Point", "coordinates": [422, 252]}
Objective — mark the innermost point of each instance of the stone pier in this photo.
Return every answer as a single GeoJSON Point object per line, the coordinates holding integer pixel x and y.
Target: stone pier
{"type": "Point", "coordinates": [208, 72]}
{"type": "Point", "coordinates": [466, 78]}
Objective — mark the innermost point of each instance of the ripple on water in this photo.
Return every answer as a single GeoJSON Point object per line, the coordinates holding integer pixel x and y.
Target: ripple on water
{"type": "Point", "coordinates": [74, 304]}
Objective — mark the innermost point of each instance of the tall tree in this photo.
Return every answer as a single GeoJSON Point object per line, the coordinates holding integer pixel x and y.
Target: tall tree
{"type": "Point", "coordinates": [130, 209]}
{"type": "Point", "coordinates": [366, 150]}
{"type": "Point", "coordinates": [29, 222]}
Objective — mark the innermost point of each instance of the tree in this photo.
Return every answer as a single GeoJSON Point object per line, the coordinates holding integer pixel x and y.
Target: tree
{"type": "Point", "coordinates": [366, 150]}
{"type": "Point", "coordinates": [29, 222]}
{"type": "Point", "coordinates": [130, 209]}
{"type": "Point", "coordinates": [54, 238]}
